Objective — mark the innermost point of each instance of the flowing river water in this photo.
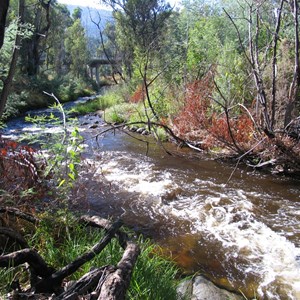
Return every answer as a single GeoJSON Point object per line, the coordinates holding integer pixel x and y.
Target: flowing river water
{"type": "Point", "coordinates": [243, 235]}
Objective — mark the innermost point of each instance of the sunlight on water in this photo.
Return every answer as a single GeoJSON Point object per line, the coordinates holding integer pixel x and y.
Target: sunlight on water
{"type": "Point", "coordinates": [269, 255]}
{"type": "Point", "coordinates": [227, 216]}
{"type": "Point", "coordinates": [245, 235]}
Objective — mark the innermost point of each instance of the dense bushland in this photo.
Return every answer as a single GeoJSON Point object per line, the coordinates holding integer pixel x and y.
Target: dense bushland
{"type": "Point", "coordinates": [222, 77]}
{"type": "Point", "coordinates": [44, 49]}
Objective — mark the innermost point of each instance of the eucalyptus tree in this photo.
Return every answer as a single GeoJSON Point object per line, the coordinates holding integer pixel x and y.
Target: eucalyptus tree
{"type": "Point", "coordinates": [3, 12]}
{"type": "Point", "coordinates": [141, 28]}
{"type": "Point", "coordinates": [271, 49]}
{"type": "Point", "coordinates": [76, 48]}
{"type": "Point", "coordinates": [8, 75]}
{"type": "Point", "coordinates": [37, 12]}
{"type": "Point", "coordinates": [55, 46]}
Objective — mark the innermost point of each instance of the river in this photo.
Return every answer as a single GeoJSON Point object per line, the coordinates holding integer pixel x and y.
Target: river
{"type": "Point", "coordinates": [243, 235]}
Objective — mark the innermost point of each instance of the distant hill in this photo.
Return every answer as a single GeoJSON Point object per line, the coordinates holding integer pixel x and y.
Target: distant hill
{"type": "Point", "coordinates": [91, 29]}
{"type": "Point", "coordinates": [87, 14]}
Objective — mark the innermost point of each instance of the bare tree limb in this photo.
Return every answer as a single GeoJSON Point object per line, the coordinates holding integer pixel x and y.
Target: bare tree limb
{"type": "Point", "coordinates": [54, 281]}
{"type": "Point", "coordinates": [13, 235]}
{"type": "Point", "coordinates": [20, 214]}
{"type": "Point", "coordinates": [274, 61]}
{"type": "Point", "coordinates": [29, 256]}
{"type": "Point", "coordinates": [88, 283]}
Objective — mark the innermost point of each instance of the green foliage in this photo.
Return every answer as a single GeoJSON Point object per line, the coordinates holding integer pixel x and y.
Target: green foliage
{"type": "Point", "coordinates": [110, 97]}
{"type": "Point", "coordinates": [204, 45]}
{"type": "Point", "coordinates": [71, 88]}
{"type": "Point", "coordinates": [232, 77]}
{"type": "Point", "coordinates": [59, 239]}
{"type": "Point", "coordinates": [15, 104]}
{"type": "Point", "coordinates": [62, 148]}
{"type": "Point", "coordinates": [77, 13]}
{"type": "Point", "coordinates": [42, 61]}
{"type": "Point", "coordinates": [29, 93]}
{"type": "Point", "coordinates": [76, 47]}
{"type": "Point", "coordinates": [119, 113]}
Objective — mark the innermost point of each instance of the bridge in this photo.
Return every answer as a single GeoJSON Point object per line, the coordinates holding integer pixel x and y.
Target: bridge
{"type": "Point", "coordinates": [97, 62]}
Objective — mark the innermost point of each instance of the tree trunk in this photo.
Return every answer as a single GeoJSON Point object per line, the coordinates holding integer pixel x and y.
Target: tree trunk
{"type": "Point", "coordinates": [294, 88]}
{"type": "Point", "coordinates": [3, 12]}
{"type": "Point", "coordinates": [34, 44]}
{"type": "Point", "coordinates": [9, 79]}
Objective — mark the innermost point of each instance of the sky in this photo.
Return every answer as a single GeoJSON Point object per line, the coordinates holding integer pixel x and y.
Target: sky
{"type": "Point", "coordinates": [95, 3]}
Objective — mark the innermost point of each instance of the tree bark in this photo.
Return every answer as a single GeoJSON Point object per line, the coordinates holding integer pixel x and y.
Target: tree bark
{"type": "Point", "coordinates": [19, 214]}
{"type": "Point", "coordinates": [3, 12]}
{"type": "Point", "coordinates": [34, 43]}
{"type": "Point", "coordinates": [294, 88]}
{"type": "Point", "coordinates": [7, 83]}
{"type": "Point", "coordinates": [116, 284]}
{"type": "Point", "coordinates": [29, 256]}
{"type": "Point", "coordinates": [14, 236]}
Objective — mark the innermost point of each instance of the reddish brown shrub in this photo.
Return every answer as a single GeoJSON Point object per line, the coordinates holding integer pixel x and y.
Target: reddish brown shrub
{"type": "Point", "coordinates": [18, 166]}
{"type": "Point", "coordinates": [138, 95]}
{"type": "Point", "coordinates": [194, 114]}
{"type": "Point", "coordinates": [241, 128]}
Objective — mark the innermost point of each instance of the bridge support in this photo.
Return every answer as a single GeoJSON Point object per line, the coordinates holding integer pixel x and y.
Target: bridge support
{"type": "Point", "coordinates": [94, 66]}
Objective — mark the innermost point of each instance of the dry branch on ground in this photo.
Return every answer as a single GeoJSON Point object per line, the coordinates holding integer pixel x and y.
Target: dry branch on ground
{"type": "Point", "coordinates": [102, 282]}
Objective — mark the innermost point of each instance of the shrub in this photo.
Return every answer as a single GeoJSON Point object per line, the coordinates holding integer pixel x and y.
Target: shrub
{"type": "Point", "coordinates": [242, 130]}
{"type": "Point", "coordinates": [194, 115]}
{"type": "Point", "coordinates": [20, 171]}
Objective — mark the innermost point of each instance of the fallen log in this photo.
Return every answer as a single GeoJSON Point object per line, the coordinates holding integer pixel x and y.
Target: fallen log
{"type": "Point", "coordinates": [35, 261]}
{"type": "Point", "coordinates": [19, 213]}
{"type": "Point", "coordinates": [116, 284]}
{"type": "Point", "coordinates": [98, 222]}
{"type": "Point", "coordinates": [53, 282]}
{"type": "Point", "coordinates": [107, 282]}
{"type": "Point", "coordinates": [95, 221]}
{"type": "Point", "coordinates": [14, 236]}
{"type": "Point", "coordinates": [88, 283]}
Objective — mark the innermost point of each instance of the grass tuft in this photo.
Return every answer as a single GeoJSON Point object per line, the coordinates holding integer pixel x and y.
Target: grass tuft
{"type": "Point", "coordinates": [61, 240]}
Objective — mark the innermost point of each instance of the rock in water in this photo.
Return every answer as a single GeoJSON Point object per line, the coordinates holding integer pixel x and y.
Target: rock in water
{"type": "Point", "coordinates": [199, 288]}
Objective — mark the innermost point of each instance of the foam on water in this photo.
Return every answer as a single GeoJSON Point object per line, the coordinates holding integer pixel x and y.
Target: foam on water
{"type": "Point", "coordinates": [222, 214]}
{"type": "Point", "coordinates": [269, 255]}
{"type": "Point", "coordinates": [137, 177]}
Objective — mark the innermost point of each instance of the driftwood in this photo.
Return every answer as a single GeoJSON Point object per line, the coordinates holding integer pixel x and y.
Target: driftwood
{"type": "Point", "coordinates": [55, 280]}
{"type": "Point", "coordinates": [87, 283]}
{"type": "Point", "coordinates": [106, 282]}
{"type": "Point", "coordinates": [29, 256]}
{"type": "Point", "coordinates": [98, 222]}
{"type": "Point", "coordinates": [20, 214]}
{"type": "Point", "coordinates": [14, 236]}
{"type": "Point", "coordinates": [116, 284]}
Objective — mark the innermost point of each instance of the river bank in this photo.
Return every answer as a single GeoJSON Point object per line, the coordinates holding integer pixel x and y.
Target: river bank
{"type": "Point", "coordinates": [186, 206]}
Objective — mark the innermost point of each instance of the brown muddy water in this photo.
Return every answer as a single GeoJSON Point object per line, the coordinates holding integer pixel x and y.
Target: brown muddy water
{"type": "Point", "coordinates": [244, 235]}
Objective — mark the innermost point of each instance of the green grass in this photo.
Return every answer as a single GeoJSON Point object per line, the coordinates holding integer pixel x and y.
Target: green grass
{"type": "Point", "coordinates": [153, 276]}
{"type": "Point", "coordinates": [111, 97]}
{"type": "Point", "coordinates": [119, 113]}
{"type": "Point", "coordinates": [60, 240]}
